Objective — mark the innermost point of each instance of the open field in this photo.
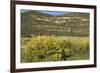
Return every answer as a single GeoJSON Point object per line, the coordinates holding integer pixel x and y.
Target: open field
{"type": "Point", "coordinates": [54, 48]}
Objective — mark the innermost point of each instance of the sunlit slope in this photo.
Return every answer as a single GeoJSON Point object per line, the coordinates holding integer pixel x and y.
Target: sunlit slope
{"type": "Point", "coordinates": [70, 24]}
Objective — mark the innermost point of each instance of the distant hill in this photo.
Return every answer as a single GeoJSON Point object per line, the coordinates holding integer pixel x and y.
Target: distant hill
{"type": "Point", "coordinates": [71, 24]}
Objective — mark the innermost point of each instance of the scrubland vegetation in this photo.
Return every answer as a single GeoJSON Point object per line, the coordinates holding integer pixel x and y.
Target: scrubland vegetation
{"type": "Point", "coordinates": [46, 38]}
{"type": "Point", "coordinates": [53, 48]}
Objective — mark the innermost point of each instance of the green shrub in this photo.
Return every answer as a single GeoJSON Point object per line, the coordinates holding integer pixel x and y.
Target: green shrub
{"type": "Point", "coordinates": [45, 48]}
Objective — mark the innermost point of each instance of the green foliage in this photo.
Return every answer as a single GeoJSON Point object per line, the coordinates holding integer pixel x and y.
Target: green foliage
{"type": "Point", "coordinates": [46, 48]}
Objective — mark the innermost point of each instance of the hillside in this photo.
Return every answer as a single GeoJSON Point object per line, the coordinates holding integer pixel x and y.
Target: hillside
{"type": "Point", "coordinates": [71, 24]}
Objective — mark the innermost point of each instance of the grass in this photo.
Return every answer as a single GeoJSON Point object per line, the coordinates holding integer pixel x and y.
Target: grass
{"type": "Point", "coordinates": [36, 49]}
{"type": "Point", "coordinates": [81, 42]}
